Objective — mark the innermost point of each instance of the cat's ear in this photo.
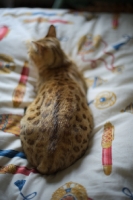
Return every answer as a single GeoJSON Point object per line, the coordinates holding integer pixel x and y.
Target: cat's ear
{"type": "Point", "coordinates": [51, 31]}
{"type": "Point", "coordinates": [37, 47]}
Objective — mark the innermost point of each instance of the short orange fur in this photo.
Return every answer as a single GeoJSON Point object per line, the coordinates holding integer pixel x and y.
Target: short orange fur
{"type": "Point", "coordinates": [56, 128]}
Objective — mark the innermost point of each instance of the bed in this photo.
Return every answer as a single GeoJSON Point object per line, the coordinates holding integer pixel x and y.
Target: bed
{"type": "Point", "coordinates": [102, 46]}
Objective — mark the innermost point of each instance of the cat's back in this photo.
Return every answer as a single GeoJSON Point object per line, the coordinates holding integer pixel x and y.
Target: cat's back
{"type": "Point", "coordinates": [62, 99]}
{"type": "Point", "coordinates": [58, 122]}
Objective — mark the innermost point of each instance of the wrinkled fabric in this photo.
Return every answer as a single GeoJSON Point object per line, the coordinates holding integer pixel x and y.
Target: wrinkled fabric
{"type": "Point", "coordinates": [102, 46]}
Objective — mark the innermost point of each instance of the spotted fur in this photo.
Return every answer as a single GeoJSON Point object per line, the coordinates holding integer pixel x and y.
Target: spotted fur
{"type": "Point", "coordinates": [57, 124]}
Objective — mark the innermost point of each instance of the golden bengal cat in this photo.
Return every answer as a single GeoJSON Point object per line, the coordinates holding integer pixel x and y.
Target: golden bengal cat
{"type": "Point", "coordinates": [56, 128]}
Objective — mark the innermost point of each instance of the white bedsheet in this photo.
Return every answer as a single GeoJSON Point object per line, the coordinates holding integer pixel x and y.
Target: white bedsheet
{"type": "Point", "coordinates": [102, 45]}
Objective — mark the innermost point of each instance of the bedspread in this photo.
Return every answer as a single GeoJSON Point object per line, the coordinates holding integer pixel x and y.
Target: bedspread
{"type": "Point", "coordinates": [102, 46]}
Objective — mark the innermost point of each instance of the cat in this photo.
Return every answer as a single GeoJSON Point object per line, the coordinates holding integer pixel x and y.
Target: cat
{"type": "Point", "coordinates": [55, 130]}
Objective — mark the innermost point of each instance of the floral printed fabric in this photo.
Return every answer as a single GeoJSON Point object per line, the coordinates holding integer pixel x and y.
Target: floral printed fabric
{"type": "Point", "coordinates": [102, 46]}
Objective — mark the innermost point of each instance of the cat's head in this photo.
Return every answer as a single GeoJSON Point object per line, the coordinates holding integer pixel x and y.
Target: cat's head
{"type": "Point", "coordinates": [46, 52]}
